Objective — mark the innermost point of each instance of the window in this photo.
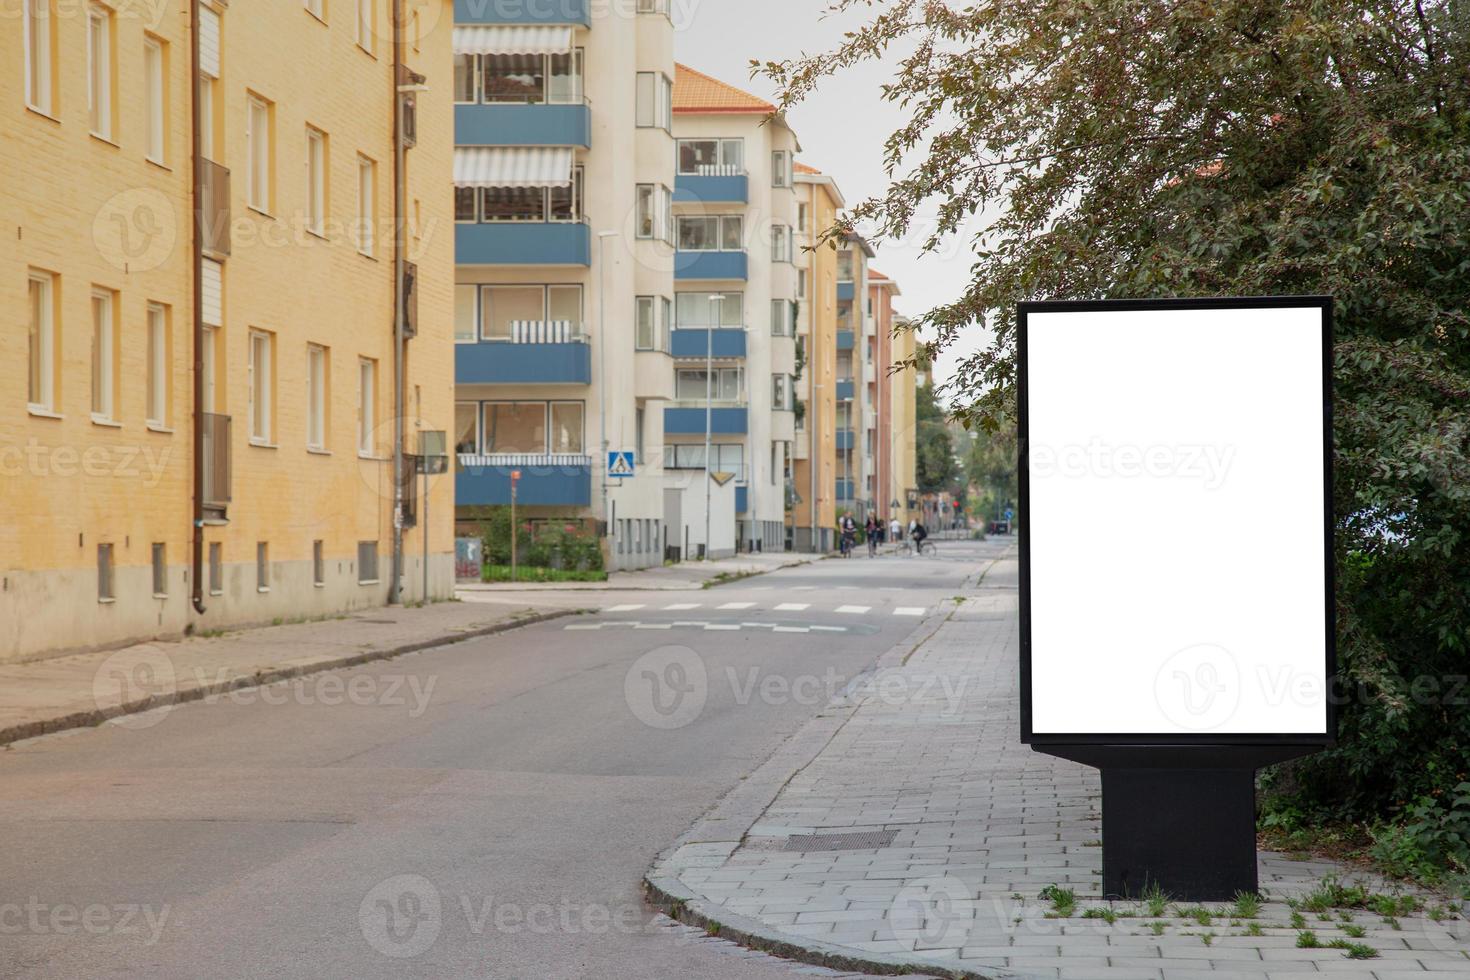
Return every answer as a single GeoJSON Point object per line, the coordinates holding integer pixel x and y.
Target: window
{"type": "Point", "coordinates": [647, 328]}
{"type": "Point", "coordinates": [364, 25]}
{"type": "Point", "coordinates": [691, 384]}
{"type": "Point", "coordinates": [208, 133]}
{"type": "Point", "coordinates": [211, 113]}
{"type": "Point", "coordinates": [262, 387]}
{"type": "Point", "coordinates": [39, 47]}
{"type": "Point", "coordinates": [155, 99]}
{"type": "Point", "coordinates": [655, 101]}
{"type": "Point", "coordinates": [711, 233]}
{"type": "Point", "coordinates": [653, 6]}
{"type": "Point", "coordinates": [262, 566]}
{"type": "Point", "coordinates": [655, 212]}
{"type": "Point", "coordinates": [317, 9]}
{"type": "Point", "coordinates": [801, 216]}
{"type": "Point", "coordinates": [316, 397]}
{"type": "Point", "coordinates": [464, 203]}
{"type": "Point", "coordinates": [258, 153]}
{"type": "Point", "coordinates": [216, 569]}
{"type": "Point", "coordinates": [466, 428]}
{"type": "Point", "coordinates": [781, 243]}
{"type": "Point", "coordinates": [464, 78]}
{"type": "Point", "coordinates": [318, 564]}
{"type": "Point", "coordinates": [712, 157]}
{"type": "Point", "coordinates": [533, 428]}
{"type": "Point", "coordinates": [99, 70]}
{"type": "Point", "coordinates": [104, 354]}
{"type": "Point", "coordinates": [844, 265]}
{"type": "Point", "coordinates": [207, 355]}
{"type": "Point", "coordinates": [158, 365]}
{"type": "Point", "coordinates": [531, 313]}
{"type": "Point", "coordinates": [529, 203]}
{"type": "Point", "coordinates": [160, 571]}
{"type": "Point", "coordinates": [781, 166]}
{"type": "Point", "coordinates": [640, 419]}
{"type": "Point", "coordinates": [529, 79]}
{"type": "Point", "coordinates": [699, 311]}
{"type": "Point", "coordinates": [724, 458]}
{"type": "Point", "coordinates": [465, 313]}
{"type": "Point", "coordinates": [781, 392]}
{"type": "Point", "coordinates": [566, 427]}
{"type": "Point", "coordinates": [316, 180]}
{"type": "Point", "coordinates": [106, 591]}
{"type": "Point", "coordinates": [801, 283]}
{"type": "Point", "coordinates": [367, 206]}
{"type": "Point", "coordinates": [41, 387]}
{"type": "Point", "coordinates": [665, 322]}
{"type": "Point", "coordinates": [367, 394]}
{"type": "Point", "coordinates": [783, 318]}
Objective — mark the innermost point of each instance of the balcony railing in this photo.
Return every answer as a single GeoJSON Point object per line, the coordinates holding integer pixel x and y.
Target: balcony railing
{"type": "Point", "coordinates": [523, 243]}
{"type": "Point", "coordinates": [216, 491]}
{"type": "Point", "coordinates": [712, 184]}
{"type": "Point", "coordinates": [688, 418]}
{"type": "Point", "coordinates": [696, 342]}
{"type": "Point", "coordinates": [537, 352]}
{"type": "Point", "coordinates": [729, 265]}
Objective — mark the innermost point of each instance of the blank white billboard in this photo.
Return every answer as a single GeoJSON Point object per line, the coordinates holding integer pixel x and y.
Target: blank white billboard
{"type": "Point", "coordinates": [1175, 520]}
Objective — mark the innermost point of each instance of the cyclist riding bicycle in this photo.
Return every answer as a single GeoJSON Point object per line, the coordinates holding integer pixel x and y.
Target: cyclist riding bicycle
{"type": "Point", "coordinates": [872, 532]}
{"type": "Point", "coordinates": [849, 534]}
{"type": "Point", "coordinates": [919, 533]}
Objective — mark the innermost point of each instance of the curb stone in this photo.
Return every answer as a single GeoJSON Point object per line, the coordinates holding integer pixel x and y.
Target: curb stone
{"type": "Point", "coordinates": [96, 716]}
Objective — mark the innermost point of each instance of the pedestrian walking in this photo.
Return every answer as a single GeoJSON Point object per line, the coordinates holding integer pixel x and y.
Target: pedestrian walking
{"type": "Point", "coordinates": [871, 530]}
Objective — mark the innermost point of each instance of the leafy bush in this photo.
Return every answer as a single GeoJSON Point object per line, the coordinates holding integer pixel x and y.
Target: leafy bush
{"type": "Point", "coordinates": [553, 545]}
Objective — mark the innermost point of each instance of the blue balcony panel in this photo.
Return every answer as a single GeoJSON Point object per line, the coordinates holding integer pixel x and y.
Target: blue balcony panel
{"type": "Point", "coordinates": [844, 391]}
{"type": "Point", "coordinates": [523, 243]}
{"type": "Point", "coordinates": [692, 342]}
{"type": "Point", "coordinates": [523, 125]}
{"type": "Point", "coordinates": [845, 339]}
{"type": "Point", "coordinates": [845, 290]}
{"type": "Point", "coordinates": [710, 265]}
{"type": "Point", "coordinates": [547, 486]}
{"type": "Point", "coordinates": [845, 439]}
{"type": "Point", "coordinates": [690, 421]}
{"type": "Point", "coordinates": [742, 500]}
{"type": "Point", "coordinates": [522, 364]}
{"type": "Point", "coordinates": [708, 189]}
{"type": "Point", "coordinates": [523, 12]}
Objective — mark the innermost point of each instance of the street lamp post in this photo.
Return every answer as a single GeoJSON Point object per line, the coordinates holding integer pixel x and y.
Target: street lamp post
{"type": "Point", "coordinates": [602, 237]}
{"type": "Point", "coordinates": [718, 302]}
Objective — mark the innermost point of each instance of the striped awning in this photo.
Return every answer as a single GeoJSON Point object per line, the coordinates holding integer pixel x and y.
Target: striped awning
{"type": "Point", "coordinates": [512, 166]}
{"type": "Point", "coordinates": [481, 39]}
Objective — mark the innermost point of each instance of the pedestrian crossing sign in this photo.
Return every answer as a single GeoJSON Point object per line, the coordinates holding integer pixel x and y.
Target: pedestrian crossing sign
{"type": "Point", "coordinates": [619, 465]}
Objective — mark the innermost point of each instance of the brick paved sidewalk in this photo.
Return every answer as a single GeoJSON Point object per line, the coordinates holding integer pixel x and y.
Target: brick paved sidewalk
{"type": "Point", "coordinates": [987, 838]}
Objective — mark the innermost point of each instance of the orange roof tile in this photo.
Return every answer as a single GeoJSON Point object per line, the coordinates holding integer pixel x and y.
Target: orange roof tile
{"type": "Point", "coordinates": [802, 168]}
{"type": "Point", "coordinates": [875, 274]}
{"type": "Point", "coordinates": [696, 92]}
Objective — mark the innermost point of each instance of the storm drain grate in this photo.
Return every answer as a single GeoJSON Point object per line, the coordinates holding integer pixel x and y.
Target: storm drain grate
{"type": "Point", "coordinates": [867, 841]}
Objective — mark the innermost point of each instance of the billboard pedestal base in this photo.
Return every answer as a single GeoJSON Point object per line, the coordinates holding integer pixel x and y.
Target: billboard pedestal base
{"type": "Point", "coordinates": [1178, 818]}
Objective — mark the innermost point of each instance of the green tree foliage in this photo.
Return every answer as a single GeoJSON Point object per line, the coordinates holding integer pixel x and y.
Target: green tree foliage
{"type": "Point", "coordinates": [991, 469]}
{"type": "Point", "coordinates": [1122, 148]}
{"type": "Point", "coordinates": [934, 448]}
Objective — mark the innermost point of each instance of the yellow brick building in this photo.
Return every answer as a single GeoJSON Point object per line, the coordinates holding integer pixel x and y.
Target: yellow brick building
{"type": "Point", "coordinates": [197, 430]}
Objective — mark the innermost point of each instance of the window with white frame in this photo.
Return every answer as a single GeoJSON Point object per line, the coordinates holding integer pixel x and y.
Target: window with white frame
{"type": "Point", "coordinates": [711, 233]}
{"type": "Point", "coordinates": [258, 153]}
{"type": "Point", "coordinates": [783, 318]}
{"type": "Point", "coordinates": [40, 293]}
{"type": "Point", "coordinates": [367, 205]}
{"type": "Point", "coordinates": [781, 166]}
{"type": "Point", "coordinates": [801, 275]}
{"type": "Point", "coordinates": [725, 384]}
{"type": "Point", "coordinates": [521, 203]}
{"type": "Point", "coordinates": [655, 212]}
{"type": "Point", "coordinates": [104, 353]}
{"type": "Point", "coordinates": [781, 243]}
{"type": "Point", "coordinates": [712, 157]}
{"type": "Point", "coordinates": [316, 180]}
{"type": "Point", "coordinates": [801, 216]}
{"type": "Point", "coordinates": [781, 392]}
{"type": "Point", "coordinates": [317, 8]}
{"type": "Point", "coordinates": [155, 99]}
{"type": "Point", "coordinates": [99, 69]}
{"type": "Point", "coordinates": [465, 67]}
{"type": "Point", "coordinates": [262, 387]}
{"type": "Point", "coordinates": [654, 101]}
{"type": "Point", "coordinates": [702, 310]}
{"type": "Point", "coordinates": [531, 313]}
{"type": "Point", "coordinates": [317, 376]}
{"type": "Point", "coordinates": [158, 365]}
{"type": "Point", "coordinates": [363, 24]}
{"type": "Point", "coordinates": [466, 313]}
{"type": "Point", "coordinates": [646, 325]}
{"type": "Point", "coordinates": [367, 401]}
{"type": "Point", "coordinates": [724, 458]}
{"type": "Point", "coordinates": [39, 54]}
{"type": "Point", "coordinates": [466, 428]}
{"type": "Point", "coordinates": [532, 428]}
{"type": "Point", "coordinates": [528, 79]}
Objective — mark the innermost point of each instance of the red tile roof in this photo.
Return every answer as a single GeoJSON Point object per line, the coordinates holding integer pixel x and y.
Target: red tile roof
{"type": "Point", "coordinates": [696, 92]}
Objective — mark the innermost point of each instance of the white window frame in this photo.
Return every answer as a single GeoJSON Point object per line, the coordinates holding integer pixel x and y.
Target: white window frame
{"type": "Point", "coordinates": [155, 102]}
{"type": "Point", "coordinates": [99, 70]}
{"type": "Point", "coordinates": [43, 351]}
{"type": "Point", "coordinates": [472, 291]}
{"type": "Point", "coordinates": [317, 367]}
{"type": "Point", "coordinates": [258, 154]}
{"type": "Point", "coordinates": [720, 220]}
{"type": "Point", "coordinates": [367, 397]}
{"type": "Point", "coordinates": [39, 55]}
{"type": "Point", "coordinates": [317, 8]}
{"type": "Point", "coordinates": [362, 21]}
{"type": "Point", "coordinates": [367, 205]}
{"type": "Point", "coordinates": [653, 101]}
{"type": "Point", "coordinates": [782, 173]}
{"type": "Point", "coordinates": [104, 354]}
{"type": "Point", "coordinates": [722, 146]}
{"type": "Point", "coordinates": [158, 364]}
{"type": "Point", "coordinates": [316, 181]}
{"type": "Point", "coordinates": [262, 390]}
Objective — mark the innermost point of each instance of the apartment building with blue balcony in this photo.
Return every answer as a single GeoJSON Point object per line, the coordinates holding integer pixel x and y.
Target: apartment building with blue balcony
{"type": "Point", "coordinates": [562, 312]}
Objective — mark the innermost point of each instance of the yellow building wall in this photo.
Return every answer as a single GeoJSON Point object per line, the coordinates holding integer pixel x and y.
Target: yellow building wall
{"type": "Point", "coordinates": [905, 461]}
{"type": "Point", "coordinates": [96, 212]}
{"type": "Point", "coordinates": [821, 370]}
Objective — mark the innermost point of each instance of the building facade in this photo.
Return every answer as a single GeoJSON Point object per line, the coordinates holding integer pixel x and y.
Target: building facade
{"type": "Point", "coordinates": [564, 301]}
{"type": "Point", "coordinates": [856, 407]}
{"type": "Point", "coordinates": [202, 423]}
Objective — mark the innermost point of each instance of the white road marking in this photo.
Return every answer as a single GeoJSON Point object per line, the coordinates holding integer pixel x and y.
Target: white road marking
{"type": "Point", "coordinates": [793, 606]}
{"type": "Point", "coordinates": [829, 629]}
{"type": "Point", "coordinates": [737, 605]}
{"type": "Point", "coordinates": [857, 610]}
{"type": "Point", "coordinates": [909, 611]}
{"type": "Point", "coordinates": [804, 588]}
{"type": "Point", "coordinates": [721, 626]}
{"type": "Point", "coordinates": [584, 626]}
{"type": "Point", "coordinates": [626, 607]}
{"type": "Point", "coordinates": [791, 629]}
{"type": "Point", "coordinates": [679, 606]}
{"type": "Point", "coordinates": [655, 626]}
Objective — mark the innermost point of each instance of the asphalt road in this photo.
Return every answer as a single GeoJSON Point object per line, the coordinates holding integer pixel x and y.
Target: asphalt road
{"type": "Point", "coordinates": [481, 810]}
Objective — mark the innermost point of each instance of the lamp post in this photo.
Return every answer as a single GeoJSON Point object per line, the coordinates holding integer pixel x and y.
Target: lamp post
{"type": "Point", "coordinates": [717, 300]}
{"type": "Point", "coordinates": [814, 451]}
{"type": "Point", "coordinates": [602, 237]}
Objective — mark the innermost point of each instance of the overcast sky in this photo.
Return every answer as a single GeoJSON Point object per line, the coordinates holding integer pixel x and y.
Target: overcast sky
{"type": "Point", "coordinates": [842, 127]}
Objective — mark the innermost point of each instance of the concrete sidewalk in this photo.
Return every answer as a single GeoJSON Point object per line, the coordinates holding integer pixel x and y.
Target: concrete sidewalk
{"type": "Point", "coordinates": [88, 688]}
{"type": "Point", "coordinates": [680, 576]}
{"type": "Point", "coordinates": [980, 858]}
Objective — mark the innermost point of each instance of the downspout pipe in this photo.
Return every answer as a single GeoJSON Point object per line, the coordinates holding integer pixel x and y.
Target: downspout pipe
{"type": "Point", "coordinates": [196, 529]}
{"type": "Point", "coordinates": [395, 586]}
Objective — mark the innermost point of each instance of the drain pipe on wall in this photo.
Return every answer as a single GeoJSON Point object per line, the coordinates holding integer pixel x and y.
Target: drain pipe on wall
{"type": "Point", "coordinates": [197, 525]}
{"type": "Point", "coordinates": [395, 587]}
